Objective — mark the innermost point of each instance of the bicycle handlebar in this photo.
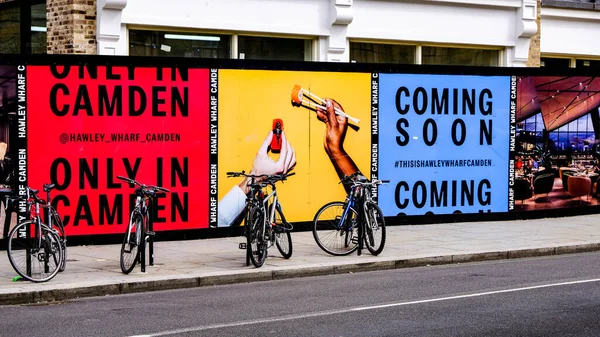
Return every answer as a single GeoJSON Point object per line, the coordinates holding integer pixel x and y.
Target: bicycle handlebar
{"type": "Point", "coordinates": [355, 180]}
{"type": "Point", "coordinates": [269, 177]}
{"type": "Point", "coordinates": [131, 181]}
{"type": "Point", "coordinates": [278, 177]}
{"type": "Point", "coordinates": [243, 173]}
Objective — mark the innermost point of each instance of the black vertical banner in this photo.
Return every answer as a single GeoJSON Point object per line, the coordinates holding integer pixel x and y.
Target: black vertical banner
{"type": "Point", "coordinates": [512, 142]}
{"type": "Point", "coordinates": [213, 158]}
{"type": "Point", "coordinates": [374, 131]}
{"type": "Point", "coordinates": [21, 148]}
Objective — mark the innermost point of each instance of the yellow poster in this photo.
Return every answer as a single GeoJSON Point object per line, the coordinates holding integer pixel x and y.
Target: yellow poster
{"type": "Point", "coordinates": [323, 142]}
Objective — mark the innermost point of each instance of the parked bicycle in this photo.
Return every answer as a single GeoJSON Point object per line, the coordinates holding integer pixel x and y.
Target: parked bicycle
{"type": "Point", "coordinates": [337, 226]}
{"type": "Point", "coordinates": [264, 221]}
{"type": "Point", "coordinates": [37, 250]}
{"type": "Point", "coordinates": [140, 230]}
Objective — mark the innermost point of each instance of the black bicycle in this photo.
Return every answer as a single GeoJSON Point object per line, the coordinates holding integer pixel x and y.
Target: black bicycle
{"type": "Point", "coordinates": [340, 228]}
{"type": "Point", "coordinates": [264, 221]}
{"type": "Point", "coordinates": [36, 250]}
{"type": "Point", "coordinates": [139, 231]}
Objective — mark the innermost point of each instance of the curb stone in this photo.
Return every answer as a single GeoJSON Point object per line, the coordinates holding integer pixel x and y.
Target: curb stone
{"type": "Point", "coordinates": [515, 254]}
{"type": "Point", "coordinates": [366, 266]}
{"type": "Point", "coordinates": [423, 261]}
{"type": "Point", "coordinates": [303, 272]}
{"type": "Point", "coordinates": [577, 248]}
{"type": "Point", "coordinates": [53, 295]}
{"type": "Point", "coordinates": [236, 278]}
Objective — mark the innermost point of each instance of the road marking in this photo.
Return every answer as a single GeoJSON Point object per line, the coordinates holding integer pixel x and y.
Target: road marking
{"type": "Point", "coordinates": [474, 295]}
{"type": "Point", "coordinates": [341, 311]}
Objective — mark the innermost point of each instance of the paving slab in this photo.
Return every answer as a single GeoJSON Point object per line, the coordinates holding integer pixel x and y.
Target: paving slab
{"type": "Point", "coordinates": [95, 271]}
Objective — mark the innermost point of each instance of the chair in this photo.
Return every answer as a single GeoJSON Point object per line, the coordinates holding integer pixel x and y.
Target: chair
{"type": "Point", "coordinates": [579, 186]}
{"type": "Point", "coordinates": [565, 178]}
{"type": "Point", "coordinates": [522, 190]}
{"type": "Point", "coordinates": [563, 169]}
{"type": "Point", "coordinates": [543, 184]}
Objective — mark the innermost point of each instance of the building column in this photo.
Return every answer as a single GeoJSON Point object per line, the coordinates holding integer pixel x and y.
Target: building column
{"type": "Point", "coordinates": [525, 29]}
{"type": "Point", "coordinates": [110, 27]}
{"type": "Point", "coordinates": [71, 26]}
{"type": "Point", "coordinates": [535, 46]}
{"type": "Point", "coordinates": [341, 15]}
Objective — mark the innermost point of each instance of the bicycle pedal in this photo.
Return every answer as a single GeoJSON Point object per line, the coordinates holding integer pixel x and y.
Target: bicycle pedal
{"type": "Point", "coordinates": [242, 246]}
{"type": "Point", "coordinates": [150, 233]}
{"type": "Point", "coordinates": [354, 239]}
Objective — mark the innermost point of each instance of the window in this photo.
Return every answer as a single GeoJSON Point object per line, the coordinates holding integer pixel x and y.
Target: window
{"type": "Point", "coordinates": [273, 48]}
{"type": "Point", "coordinates": [201, 45]}
{"type": "Point", "coordinates": [567, 62]}
{"type": "Point", "coordinates": [364, 52]}
{"type": "Point", "coordinates": [382, 53]}
{"type": "Point", "coordinates": [158, 43]}
{"type": "Point", "coordinates": [530, 132]}
{"type": "Point", "coordinates": [10, 37]}
{"type": "Point", "coordinates": [460, 56]}
{"type": "Point", "coordinates": [23, 27]}
{"type": "Point", "coordinates": [577, 134]}
{"type": "Point", "coordinates": [555, 63]}
{"type": "Point", "coordinates": [38, 29]}
{"type": "Point", "coordinates": [8, 107]}
{"type": "Point", "coordinates": [593, 64]}
{"type": "Point", "coordinates": [533, 124]}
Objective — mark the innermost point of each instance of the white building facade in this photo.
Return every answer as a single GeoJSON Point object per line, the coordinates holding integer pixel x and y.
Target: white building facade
{"type": "Point", "coordinates": [569, 34]}
{"type": "Point", "coordinates": [450, 32]}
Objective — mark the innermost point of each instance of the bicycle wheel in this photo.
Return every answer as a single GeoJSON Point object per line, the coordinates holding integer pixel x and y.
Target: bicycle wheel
{"type": "Point", "coordinates": [374, 229]}
{"type": "Point", "coordinates": [256, 238]}
{"type": "Point", "coordinates": [131, 243]}
{"type": "Point", "coordinates": [33, 259]}
{"type": "Point", "coordinates": [330, 236]}
{"type": "Point", "coordinates": [60, 229]}
{"type": "Point", "coordinates": [283, 238]}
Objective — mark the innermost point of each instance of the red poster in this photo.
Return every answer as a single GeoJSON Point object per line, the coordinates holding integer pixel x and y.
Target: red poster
{"type": "Point", "coordinates": [86, 125]}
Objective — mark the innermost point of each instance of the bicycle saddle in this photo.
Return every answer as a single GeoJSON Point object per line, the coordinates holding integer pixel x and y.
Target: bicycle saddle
{"type": "Point", "coordinates": [33, 191]}
{"type": "Point", "coordinates": [49, 187]}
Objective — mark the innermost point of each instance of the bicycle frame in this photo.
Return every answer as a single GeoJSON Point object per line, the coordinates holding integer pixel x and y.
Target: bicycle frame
{"type": "Point", "coordinates": [359, 193]}
{"type": "Point", "coordinates": [351, 200]}
{"type": "Point", "coordinates": [271, 210]}
{"type": "Point", "coordinates": [256, 198]}
{"type": "Point", "coordinates": [51, 214]}
{"type": "Point", "coordinates": [141, 208]}
{"type": "Point", "coordinates": [37, 220]}
{"type": "Point", "coordinates": [144, 197]}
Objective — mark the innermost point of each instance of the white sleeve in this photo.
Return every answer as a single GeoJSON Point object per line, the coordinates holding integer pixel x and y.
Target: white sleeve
{"type": "Point", "coordinates": [230, 206]}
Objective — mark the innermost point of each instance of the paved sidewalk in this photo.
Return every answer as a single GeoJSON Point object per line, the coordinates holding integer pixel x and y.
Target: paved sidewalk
{"type": "Point", "coordinates": [94, 270]}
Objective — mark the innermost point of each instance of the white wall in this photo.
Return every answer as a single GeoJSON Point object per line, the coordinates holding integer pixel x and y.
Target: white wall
{"type": "Point", "coordinates": [434, 22]}
{"type": "Point", "coordinates": [570, 32]}
{"type": "Point", "coordinates": [491, 23]}
{"type": "Point", "coordinates": [305, 17]}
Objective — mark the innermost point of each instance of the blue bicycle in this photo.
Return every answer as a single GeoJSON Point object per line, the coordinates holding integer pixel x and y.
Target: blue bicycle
{"type": "Point", "coordinates": [337, 226]}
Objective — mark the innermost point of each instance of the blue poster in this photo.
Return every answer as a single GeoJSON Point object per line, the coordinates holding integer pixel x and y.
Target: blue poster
{"type": "Point", "coordinates": [443, 143]}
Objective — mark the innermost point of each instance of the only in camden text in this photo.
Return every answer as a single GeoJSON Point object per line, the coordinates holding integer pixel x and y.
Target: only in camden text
{"type": "Point", "coordinates": [108, 208]}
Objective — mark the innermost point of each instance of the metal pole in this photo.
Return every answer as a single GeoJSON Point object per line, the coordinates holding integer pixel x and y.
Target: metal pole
{"type": "Point", "coordinates": [361, 222]}
{"type": "Point", "coordinates": [151, 229]}
{"type": "Point", "coordinates": [142, 252]}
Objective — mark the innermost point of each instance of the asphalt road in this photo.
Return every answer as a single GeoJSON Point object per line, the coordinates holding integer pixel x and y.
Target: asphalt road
{"type": "Point", "coordinates": [551, 296]}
